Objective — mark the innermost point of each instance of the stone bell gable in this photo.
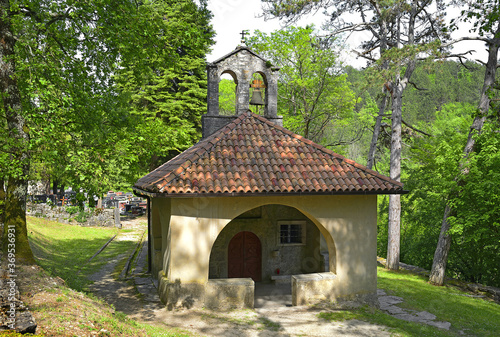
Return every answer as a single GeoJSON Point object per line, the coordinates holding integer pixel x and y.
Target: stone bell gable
{"type": "Point", "coordinates": [242, 63]}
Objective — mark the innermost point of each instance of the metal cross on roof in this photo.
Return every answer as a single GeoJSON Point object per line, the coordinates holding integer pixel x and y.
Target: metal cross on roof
{"type": "Point", "coordinates": [243, 33]}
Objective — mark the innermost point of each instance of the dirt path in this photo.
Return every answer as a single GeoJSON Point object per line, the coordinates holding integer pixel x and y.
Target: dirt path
{"type": "Point", "coordinates": [284, 321]}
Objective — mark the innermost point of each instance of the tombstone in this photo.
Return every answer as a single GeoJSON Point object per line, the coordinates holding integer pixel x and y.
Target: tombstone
{"type": "Point", "coordinates": [40, 198]}
{"type": "Point", "coordinates": [53, 198]}
{"type": "Point", "coordinates": [118, 224]}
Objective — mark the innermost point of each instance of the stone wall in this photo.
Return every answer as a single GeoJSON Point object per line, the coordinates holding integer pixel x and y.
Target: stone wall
{"type": "Point", "coordinates": [99, 217]}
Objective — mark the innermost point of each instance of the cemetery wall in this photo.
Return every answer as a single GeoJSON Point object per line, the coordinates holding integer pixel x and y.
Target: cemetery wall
{"type": "Point", "coordinates": [97, 217]}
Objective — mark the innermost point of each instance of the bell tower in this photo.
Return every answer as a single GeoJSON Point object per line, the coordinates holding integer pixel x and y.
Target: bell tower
{"type": "Point", "coordinates": [241, 64]}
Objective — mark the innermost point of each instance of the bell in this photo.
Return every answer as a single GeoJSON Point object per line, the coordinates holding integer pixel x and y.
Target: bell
{"type": "Point", "coordinates": [257, 94]}
{"type": "Point", "coordinates": [257, 97]}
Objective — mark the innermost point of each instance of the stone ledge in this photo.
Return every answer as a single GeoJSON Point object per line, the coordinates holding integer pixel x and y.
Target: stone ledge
{"type": "Point", "coordinates": [311, 288]}
{"type": "Point", "coordinates": [314, 277]}
{"type": "Point", "coordinates": [177, 294]}
{"type": "Point", "coordinates": [231, 293]}
{"type": "Point", "coordinates": [281, 279]}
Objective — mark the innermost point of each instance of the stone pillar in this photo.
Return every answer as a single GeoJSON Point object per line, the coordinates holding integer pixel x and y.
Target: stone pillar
{"type": "Point", "coordinates": [243, 92]}
{"type": "Point", "coordinates": [271, 110]}
{"type": "Point", "coordinates": [212, 90]}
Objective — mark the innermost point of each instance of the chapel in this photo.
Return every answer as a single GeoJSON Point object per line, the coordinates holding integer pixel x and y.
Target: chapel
{"type": "Point", "coordinates": [253, 203]}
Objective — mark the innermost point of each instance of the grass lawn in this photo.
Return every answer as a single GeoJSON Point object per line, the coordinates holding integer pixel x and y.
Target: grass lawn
{"type": "Point", "coordinates": [473, 316]}
{"type": "Point", "coordinates": [63, 250]}
{"type": "Point", "coordinates": [468, 316]}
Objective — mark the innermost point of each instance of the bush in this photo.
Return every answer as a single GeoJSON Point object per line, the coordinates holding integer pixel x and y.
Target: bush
{"type": "Point", "coordinates": [72, 209]}
{"type": "Point", "coordinates": [82, 216]}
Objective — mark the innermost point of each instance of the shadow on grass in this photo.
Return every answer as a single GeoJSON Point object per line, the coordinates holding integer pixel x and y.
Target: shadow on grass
{"type": "Point", "coordinates": [64, 250]}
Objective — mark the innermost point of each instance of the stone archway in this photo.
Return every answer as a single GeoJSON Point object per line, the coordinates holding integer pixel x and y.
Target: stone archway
{"type": "Point", "coordinates": [302, 252]}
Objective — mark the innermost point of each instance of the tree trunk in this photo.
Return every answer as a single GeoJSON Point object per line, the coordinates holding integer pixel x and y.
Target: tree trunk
{"type": "Point", "coordinates": [441, 254]}
{"type": "Point", "coordinates": [2, 199]}
{"type": "Point", "coordinates": [383, 104]}
{"type": "Point", "coordinates": [397, 90]}
{"type": "Point", "coordinates": [395, 173]}
{"type": "Point", "coordinates": [376, 132]}
{"type": "Point", "coordinates": [17, 188]}
{"type": "Point", "coordinates": [15, 215]}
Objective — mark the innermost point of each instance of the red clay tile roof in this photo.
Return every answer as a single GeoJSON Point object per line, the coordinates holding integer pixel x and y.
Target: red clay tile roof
{"type": "Point", "coordinates": [252, 155]}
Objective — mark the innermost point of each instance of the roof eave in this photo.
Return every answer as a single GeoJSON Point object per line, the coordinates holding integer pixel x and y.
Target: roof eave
{"type": "Point", "coordinates": [260, 194]}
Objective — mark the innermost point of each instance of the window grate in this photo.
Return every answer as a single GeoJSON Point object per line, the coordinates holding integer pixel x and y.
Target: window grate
{"type": "Point", "coordinates": [290, 233]}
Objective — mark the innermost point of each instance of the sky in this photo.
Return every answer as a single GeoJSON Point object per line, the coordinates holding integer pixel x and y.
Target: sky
{"type": "Point", "coordinates": [233, 16]}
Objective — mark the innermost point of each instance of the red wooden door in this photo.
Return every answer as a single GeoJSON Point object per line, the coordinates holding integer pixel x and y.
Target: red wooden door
{"type": "Point", "coordinates": [245, 256]}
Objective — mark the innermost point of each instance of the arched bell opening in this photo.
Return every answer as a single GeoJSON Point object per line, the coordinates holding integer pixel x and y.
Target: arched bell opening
{"type": "Point", "coordinates": [228, 85]}
{"type": "Point", "coordinates": [291, 244]}
{"type": "Point", "coordinates": [258, 93]}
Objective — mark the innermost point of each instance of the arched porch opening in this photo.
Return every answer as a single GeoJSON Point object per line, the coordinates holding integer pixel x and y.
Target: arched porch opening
{"type": "Point", "coordinates": [291, 243]}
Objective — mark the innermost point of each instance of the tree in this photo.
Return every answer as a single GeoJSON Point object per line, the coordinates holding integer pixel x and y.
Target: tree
{"type": "Point", "coordinates": [313, 94]}
{"type": "Point", "coordinates": [487, 15]}
{"type": "Point", "coordinates": [168, 98]}
{"type": "Point", "coordinates": [60, 102]}
{"type": "Point", "coordinates": [401, 32]}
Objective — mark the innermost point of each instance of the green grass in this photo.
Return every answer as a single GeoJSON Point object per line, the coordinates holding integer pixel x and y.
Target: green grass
{"type": "Point", "coordinates": [474, 316]}
{"type": "Point", "coordinates": [468, 316]}
{"type": "Point", "coordinates": [64, 250]}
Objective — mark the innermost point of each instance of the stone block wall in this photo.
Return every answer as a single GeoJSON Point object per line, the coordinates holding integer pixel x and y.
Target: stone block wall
{"type": "Point", "coordinates": [100, 217]}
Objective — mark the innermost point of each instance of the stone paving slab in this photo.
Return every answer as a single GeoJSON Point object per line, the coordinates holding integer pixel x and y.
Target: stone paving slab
{"type": "Point", "coordinates": [389, 300]}
{"type": "Point", "coordinates": [426, 315]}
{"type": "Point", "coordinates": [440, 325]}
{"type": "Point", "coordinates": [142, 280]}
{"type": "Point", "coordinates": [388, 304]}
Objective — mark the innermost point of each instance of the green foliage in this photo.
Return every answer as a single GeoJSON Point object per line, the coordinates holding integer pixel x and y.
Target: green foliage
{"type": "Point", "coordinates": [72, 209]}
{"type": "Point", "coordinates": [440, 83]}
{"type": "Point", "coordinates": [475, 227]}
{"type": "Point", "coordinates": [168, 98]}
{"type": "Point", "coordinates": [227, 97]}
{"type": "Point", "coordinates": [80, 65]}
{"type": "Point", "coordinates": [313, 94]}
{"type": "Point", "coordinates": [82, 216]}
{"type": "Point", "coordinates": [430, 179]}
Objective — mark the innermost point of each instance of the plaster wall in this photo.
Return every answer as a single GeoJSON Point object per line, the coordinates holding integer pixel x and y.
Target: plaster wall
{"type": "Point", "coordinates": [156, 239]}
{"type": "Point", "coordinates": [348, 224]}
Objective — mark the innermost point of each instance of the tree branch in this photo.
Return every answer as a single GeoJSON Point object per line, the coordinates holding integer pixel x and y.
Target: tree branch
{"type": "Point", "coordinates": [415, 129]}
{"type": "Point", "coordinates": [415, 86]}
